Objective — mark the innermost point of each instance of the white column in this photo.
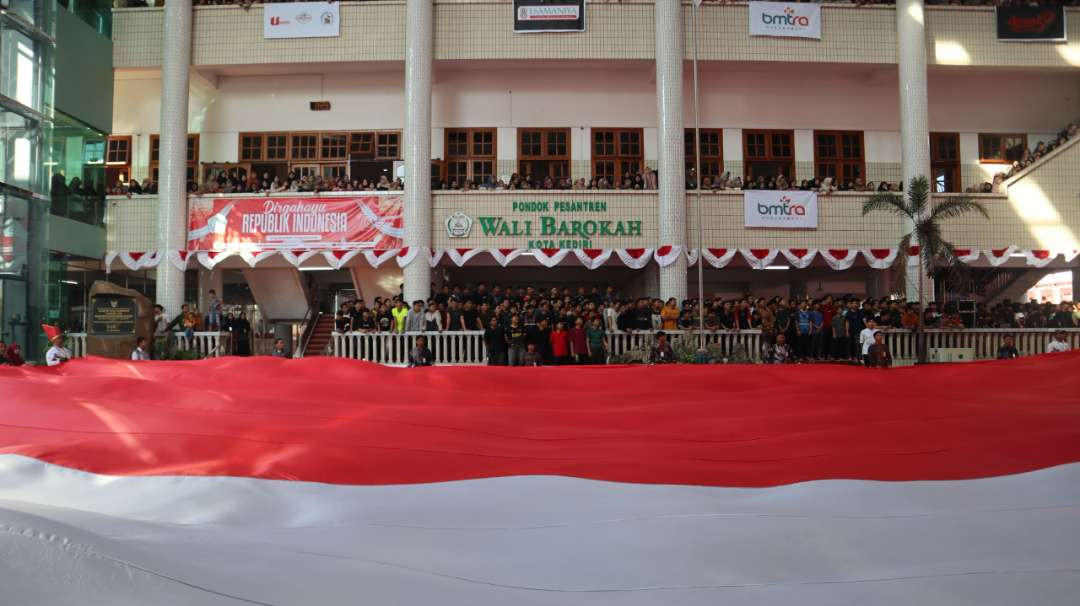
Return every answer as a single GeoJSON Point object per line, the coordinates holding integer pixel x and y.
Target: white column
{"type": "Point", "coordinates": [172, 186]}
{"type": "Point", "coordinates": [417, 148]}
{"type": "Point", "coordinates": [914, 123]}
{"type": "Point", "coordinates": [671, 159]}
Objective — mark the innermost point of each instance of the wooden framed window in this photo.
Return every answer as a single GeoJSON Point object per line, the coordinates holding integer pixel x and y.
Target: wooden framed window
{"type": "Point", "coordinates": [945, 162]}
{"type": "Point", "coordinates": [362, 145]}
{"type": "Point", "coordinates": [333, 146]}
{"type": "Point", "coordinates": [277, 146]}
{"type": "Point", "coordinates": [305, 146]}
{"type": "Point", "coordinates": [279, 152]}
{"type": "Point", "coordinates": [839, 154]}
{"type": "Point", "coordinates": [335, 171]}
{"type": "Point", "coordinates": [118, 150]}
{"type": "Point", "coordinates": [192, 157]}
{"type": "Point", "coordinates": [544, 152]}
{"type": "Point", "coordinates": [388, 145]}
{"type": "Point", "coordinates": [712, 151]}
{"type": "Point", "coordinates": [470, 155]}
{"type": "Point", "coordinates": [1001, 148]}
{"type": "Point", "coordinates": [251, 146]}
{"type": "Point", "coordinates": [768, 153]}
{"type": "Point", "coordinates": [617, 152]}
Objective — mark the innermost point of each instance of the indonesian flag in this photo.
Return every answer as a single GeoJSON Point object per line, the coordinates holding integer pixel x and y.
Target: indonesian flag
{"type": "Point", "coordinates": [326, 481]}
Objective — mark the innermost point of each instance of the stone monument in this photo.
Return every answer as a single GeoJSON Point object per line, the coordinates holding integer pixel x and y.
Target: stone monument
{"type": "Point", "coordinates": [118, 316]}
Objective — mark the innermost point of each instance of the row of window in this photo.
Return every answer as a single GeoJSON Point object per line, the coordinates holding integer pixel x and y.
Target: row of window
{"type": "Point", "coordinates": [471, 153]}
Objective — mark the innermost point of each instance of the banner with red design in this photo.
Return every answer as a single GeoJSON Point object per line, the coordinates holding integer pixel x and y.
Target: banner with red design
{"type": "Point", "coordinates": [295, 223]}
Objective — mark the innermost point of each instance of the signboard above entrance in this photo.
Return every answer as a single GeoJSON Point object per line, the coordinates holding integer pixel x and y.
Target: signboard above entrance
{"type": "Point", "coordinates": [531, 16]}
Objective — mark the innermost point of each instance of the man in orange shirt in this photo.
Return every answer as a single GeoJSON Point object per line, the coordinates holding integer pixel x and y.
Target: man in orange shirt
{"type": "Point", "coordinates": [669, 315]}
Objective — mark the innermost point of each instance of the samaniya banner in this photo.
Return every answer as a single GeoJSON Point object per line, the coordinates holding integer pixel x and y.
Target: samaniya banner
{"type": "Point", "coordinates": [249, 224]}
{"type": "Point", "coordinates": [783, 209]}
{"type": "Point", "coordinates": [786, 19]}
{"type": "Point", "coordinates": [549, 16]}
{"type": "Point", "coordinates": [301, 20]}
{"type": "Point", "coordinates": [1031, 23]}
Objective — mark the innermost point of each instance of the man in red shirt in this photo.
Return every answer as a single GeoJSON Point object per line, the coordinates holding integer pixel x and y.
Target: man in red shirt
{"type": "Point", "coordinates": [560, 344]}
{"type": "Point", "coordinates": [828, 310]}
{"type": "Point", "coordinates": [578, 347]}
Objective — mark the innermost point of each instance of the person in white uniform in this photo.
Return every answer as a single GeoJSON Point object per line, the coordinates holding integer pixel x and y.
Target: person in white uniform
{"type": "Point", "coordinates": [57, 353]}
{"type": "Point", "coordinates": [1058, 343]}
{"type": "Point", "coordinates": [139, 354]}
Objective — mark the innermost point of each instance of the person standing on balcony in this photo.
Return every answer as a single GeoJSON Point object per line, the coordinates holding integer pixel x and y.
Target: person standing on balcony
{"type": "Point", "coordinates": [400, 313]}
{"type": "Point", "coordinates": [560, 345]}
{"type": "Point", "coordinates": [414, 321]}
{"type": "Point", "coordinates": [495, 341]}
{"type": "Point", "coordinates": [433, 319]}
{"type": "Point", "coordinates": [213, 312]}
{"type": "Point", "coordinates": [516, 337]}
{"type": "Point", "coordinates": [866, 339]}
{"type": "Point", "coordinates": [596, 341]}
{"type": "Point", "coordinates": [669, 315]}
{"type": "Point", "coordinates": [803, 331]}
{"type": "Point", "coordinates": [579, 346]}
{"type": "Point", "coordinates": [817, 332]}
{"type": "Point", "coordinates": [839, 335]}
{"type": "Point", "coordinates": [855, 325]}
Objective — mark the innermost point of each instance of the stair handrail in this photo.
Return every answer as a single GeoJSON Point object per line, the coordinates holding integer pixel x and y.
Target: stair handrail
{"type": "Point", "coordinates": [307, 328]}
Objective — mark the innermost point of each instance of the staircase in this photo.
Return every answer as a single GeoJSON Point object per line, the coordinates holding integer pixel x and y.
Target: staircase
{"type": "Point", "coordinates": [320, 336]}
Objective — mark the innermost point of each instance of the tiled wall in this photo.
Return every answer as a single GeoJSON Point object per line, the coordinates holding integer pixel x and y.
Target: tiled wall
{"type": "Point", "coordinates": [1042, 210]}
{"type": "Point", "coordinates": [965, 36]}
{"type": "Point", "coordinates": [482, 29]}
{"type": "Point", "coordinates": [131, 223]}
{"type": "Point", "coordinates": [840, 225]}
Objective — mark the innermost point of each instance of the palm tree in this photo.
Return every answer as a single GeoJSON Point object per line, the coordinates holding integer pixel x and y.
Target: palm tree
{"type": "Point", "coordinates": [935, 252]}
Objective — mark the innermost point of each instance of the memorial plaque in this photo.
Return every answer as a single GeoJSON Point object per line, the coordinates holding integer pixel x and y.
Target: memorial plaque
{"type": "Point", "coordinates": [118, 317]}
{"type": "Point", "coordinates": [112, 315]}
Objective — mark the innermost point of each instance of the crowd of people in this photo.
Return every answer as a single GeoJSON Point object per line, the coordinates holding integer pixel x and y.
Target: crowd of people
{"type": "Point", "coordinates": [1028, 157]}
{"type": "Point", "coordinates": [10, 355]}
{"type": "Point", "coordinates": [235, 180]}
{"type": "Point", "coordinates": [526, 325]}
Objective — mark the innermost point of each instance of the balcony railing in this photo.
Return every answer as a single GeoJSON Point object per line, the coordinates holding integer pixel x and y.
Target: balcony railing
{"type": "Point", "coordinates": [208, 344]}
{"type": "Point", "coordinates": [467, 348]}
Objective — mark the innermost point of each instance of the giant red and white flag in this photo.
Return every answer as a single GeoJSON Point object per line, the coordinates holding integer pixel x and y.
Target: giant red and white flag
{"type": "Point", "coordinates": [318, 481]}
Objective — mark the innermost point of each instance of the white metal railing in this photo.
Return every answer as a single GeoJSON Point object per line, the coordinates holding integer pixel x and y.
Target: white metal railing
{"type": "Point", "coordinates": [76, 342]}
{"type": "Point", "coordinates": [986, 341]}
{"type": "Point", "coordinates": [208, 344]}
{"type": "Point", "coordinates": [462, 348]}
{"type": "Point", "coordinates": [468, 349]}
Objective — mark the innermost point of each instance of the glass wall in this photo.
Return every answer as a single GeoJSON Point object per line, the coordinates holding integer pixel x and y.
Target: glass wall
{"type": "Point", "coordinates": [95, 13]}
{"type": "Point", "coordinates": [14, 262]}
{"type": "Point", "coordinates": [77, 164]}
{"type": "Point", "coordinates": [27, 49]}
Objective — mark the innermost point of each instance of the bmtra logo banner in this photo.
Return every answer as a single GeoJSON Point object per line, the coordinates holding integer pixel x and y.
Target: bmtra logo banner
{"type": "Point", "coordinates": [785, 19]}
{"type": "Point", "coordinates": [781, 209]}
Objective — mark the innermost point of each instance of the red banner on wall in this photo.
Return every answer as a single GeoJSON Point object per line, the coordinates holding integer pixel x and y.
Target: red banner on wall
{"type": "Point", "coordinates": [295, 223]}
